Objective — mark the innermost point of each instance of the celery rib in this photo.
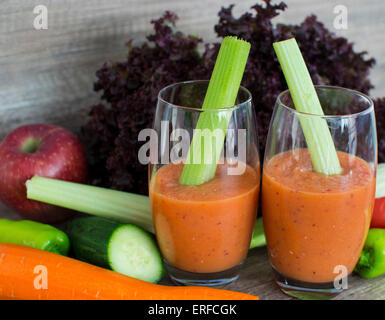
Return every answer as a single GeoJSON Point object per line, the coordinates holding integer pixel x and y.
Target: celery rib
{"type": "Point", "coordinates": [209, 134]}
{"type": "Point", "coordinates": [315, 129]}
{"type": "Point", "coordinates": [123, 206]}
{"type": "Point", "coordinates": [380, 181]}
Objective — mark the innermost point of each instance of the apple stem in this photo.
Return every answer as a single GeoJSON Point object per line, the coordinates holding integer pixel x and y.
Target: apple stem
{"type": "Point", "coordinates": [31, 145]}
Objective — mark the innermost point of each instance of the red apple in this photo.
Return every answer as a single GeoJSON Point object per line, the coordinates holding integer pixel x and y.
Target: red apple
{"type": "Point", "coordinates": [44, 150]}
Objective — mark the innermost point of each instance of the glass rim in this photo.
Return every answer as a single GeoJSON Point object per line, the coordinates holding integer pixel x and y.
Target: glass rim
{"type": "Point", "coordinates": [352, 92]}
{"type": "Point", "coordinates": [234, 107]}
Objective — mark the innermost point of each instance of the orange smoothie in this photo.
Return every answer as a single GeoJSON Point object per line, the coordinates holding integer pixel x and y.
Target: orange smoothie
{"type": "Point", "coordinates": [205, 228]}
{"type": "Point", "coordinates": [314, 222]}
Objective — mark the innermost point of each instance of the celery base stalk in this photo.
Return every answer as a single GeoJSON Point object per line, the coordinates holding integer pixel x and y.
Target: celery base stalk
{"type": "Point", "coordinates": [119, 205]}
{"type": "Point", "coordinates": [258, 238]}
{"type": "Point", "coordinates": [122, 206]}
{"type": "Point", "coordinates": [380, 181]}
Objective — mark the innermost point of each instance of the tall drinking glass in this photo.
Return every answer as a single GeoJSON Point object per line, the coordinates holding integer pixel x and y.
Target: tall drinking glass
{"type": "Point", "coordinates": [316, 224]}
{"type": "Point", "coordinates": [204, 230]}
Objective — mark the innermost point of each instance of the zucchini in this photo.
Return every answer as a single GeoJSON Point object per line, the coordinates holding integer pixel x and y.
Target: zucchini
{"type": "Point", "coordinates": [124, 248]}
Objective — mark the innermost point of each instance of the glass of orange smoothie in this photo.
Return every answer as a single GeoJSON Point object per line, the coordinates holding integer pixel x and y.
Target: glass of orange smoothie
{"type": "Point", "coordinates": [204, 230]}
{"type": "Point", "coordinates": [316, 224]}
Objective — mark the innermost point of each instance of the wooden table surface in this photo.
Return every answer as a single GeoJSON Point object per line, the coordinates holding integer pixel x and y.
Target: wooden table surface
{"type": "Point", "coordinates": [257, 278]}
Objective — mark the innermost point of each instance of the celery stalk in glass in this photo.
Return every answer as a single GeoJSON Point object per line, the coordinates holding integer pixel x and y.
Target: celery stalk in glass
{"type": "Point", "coordinates": [207, 141]}
{"type": "Point", "coordinates": [317, 134]}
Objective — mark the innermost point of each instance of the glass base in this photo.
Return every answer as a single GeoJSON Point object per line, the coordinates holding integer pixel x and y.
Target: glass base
{"type": "Point", "coordinates": [305, 290]}
{"type": "Point", "coordinates": [187, 278]}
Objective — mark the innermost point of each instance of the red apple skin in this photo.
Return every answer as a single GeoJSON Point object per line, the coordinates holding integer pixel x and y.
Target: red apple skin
{"type": "Point", "coordinates": [59, 155]}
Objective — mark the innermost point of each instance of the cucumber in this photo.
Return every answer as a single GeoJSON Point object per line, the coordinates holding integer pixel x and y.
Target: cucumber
{"type": "Point", "coordinates": [124, 248]}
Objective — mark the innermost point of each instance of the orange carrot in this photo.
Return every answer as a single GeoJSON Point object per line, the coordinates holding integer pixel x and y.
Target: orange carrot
{"type": "Point", "coordinates": [31, 274]}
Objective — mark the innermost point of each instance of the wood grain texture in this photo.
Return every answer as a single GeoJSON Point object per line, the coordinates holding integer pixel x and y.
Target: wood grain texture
{"type": "Point", "coordinates": [48, 75]}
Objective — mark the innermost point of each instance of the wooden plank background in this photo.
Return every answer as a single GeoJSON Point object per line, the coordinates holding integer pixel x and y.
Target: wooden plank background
{"type": "Point", "coordinates": [48, 75]}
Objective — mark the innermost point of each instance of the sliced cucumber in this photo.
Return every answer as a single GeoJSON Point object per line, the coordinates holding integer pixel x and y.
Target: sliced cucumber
{"type": "Point", "coordinates": [124, 248]}
{"type": "Point", "coordinates": [133, 251]}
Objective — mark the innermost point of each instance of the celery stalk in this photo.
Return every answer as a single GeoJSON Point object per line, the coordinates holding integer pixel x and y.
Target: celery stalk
{"type": "Point", "coordinates": [380, 181]}
{"type": "Point", "coordinates": [119, 205]}
{"type": "Point", "coordinates": [258, 238]}
{"type": "Point", "coordinates": [122, 206]}
{"type": "Point", "coordinates": [207, 142]}
{"type": "Point", "coordinates": [317, 134]}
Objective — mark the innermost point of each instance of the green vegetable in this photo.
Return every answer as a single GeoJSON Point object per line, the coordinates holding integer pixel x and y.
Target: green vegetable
{"type": "Point", "coordinates": [118, 205]}
{"type": "Point", "coordinates": [380, 181]}
{"type": "Point", "coordinates": [34, 234]}
{"type": "Point", "coordinates": [208, 139]}
{"type": "Point", "coordinates": [258, 238]}
{"type": "Point", "coordinates": [124, 248]}
{"type": "Point", "coordinates": [317, 134]}
{"type": "Point", "coordinates": [372, 260]}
